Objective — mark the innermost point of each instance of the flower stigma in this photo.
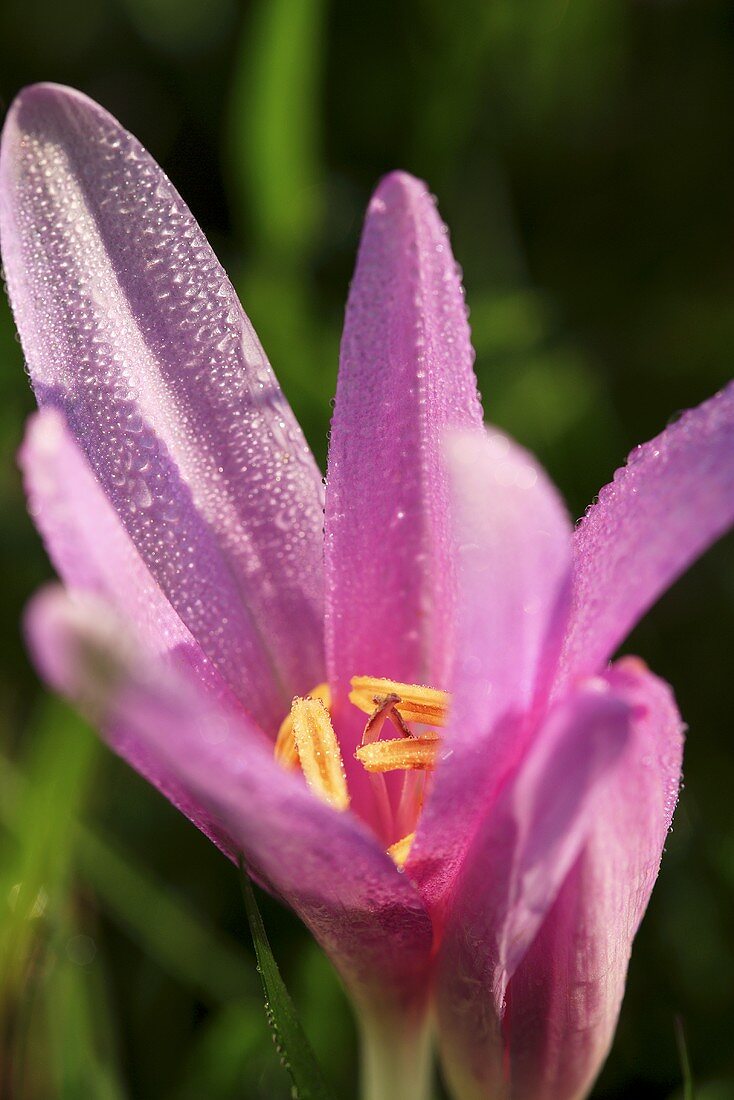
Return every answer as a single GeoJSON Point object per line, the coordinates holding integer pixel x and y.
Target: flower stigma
{"type": "Point", "coordinates": [307, 738]}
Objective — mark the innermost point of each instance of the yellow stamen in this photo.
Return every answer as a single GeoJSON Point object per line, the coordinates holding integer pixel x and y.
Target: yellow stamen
{"type": "Point", "coordinates": [413, 703]}
{"type": "Point", "coordinates": [400, 850]}
{"type": "Point", "coordinates": [286, 752]}
{"type": "Point", "coordinates": [318, 751]}
{"type": "Point", "coordinates": [400, 754]}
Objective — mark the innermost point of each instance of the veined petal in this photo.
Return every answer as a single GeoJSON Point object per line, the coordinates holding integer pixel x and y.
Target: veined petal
{"type": "Point", "coordinates": [405, 375]}
{"type": "Point", "coordinates": [213, 763]}
{"type": "Point", "coordinates": [130, 326]}
{"type": "Point", "coordinates": [565, 996]}
{"type": "Point", "coordinates": [522, 851]}
{"type": "Point", "coordinates": [514, 550]}
{"type": "Point", "coordinates": [671, 501]}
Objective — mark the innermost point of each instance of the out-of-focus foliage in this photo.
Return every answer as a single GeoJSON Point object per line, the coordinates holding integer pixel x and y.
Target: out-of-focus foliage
{"type": "Point", "coordinates": [583, 154]}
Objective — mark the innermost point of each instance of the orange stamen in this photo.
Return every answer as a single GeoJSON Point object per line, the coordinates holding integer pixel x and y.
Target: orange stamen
{"type": "Point", "coordinates": [400, 754]}
{"type": "Point", "coordinates": [307, 738]}
{"type": "Point", "coordinates": [319, 753]}
{"type": "Point", "coordinates": [286, 752]}
{"type": "Point", "coordinates": [413, 702]}
{"type": "Point", "coordinates": [400, 850]}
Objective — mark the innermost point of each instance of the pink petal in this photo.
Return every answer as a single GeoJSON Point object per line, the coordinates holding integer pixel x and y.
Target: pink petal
{"type": "Point", "coordinates": [521, 854]}
{"type": "Point", "coordinates": [130, 326]}
{"type": "Point", "coordinates": [88, 545]}
{"type": "Point", "coordinates": [219, 769]}
{"type": "Point", "coordinates": [665, 508]}
{"type": "Point", "coordinates": [514, 540]}
{"type": "Point", "coordinates": [90, 549]}
{"type": "Point", "coordinates": [565, 996]}
{"type": "Point", "coordinates": [405, 375]}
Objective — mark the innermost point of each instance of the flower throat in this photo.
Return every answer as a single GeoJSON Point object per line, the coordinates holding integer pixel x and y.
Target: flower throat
{"type": "Point", "coordinates": [307, 739]}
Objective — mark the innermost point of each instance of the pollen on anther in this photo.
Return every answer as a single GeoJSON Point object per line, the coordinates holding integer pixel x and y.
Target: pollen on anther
{"type": "Point", "coordinates": [400, 850]}
{"type": "Point", "coordinates": [413, 702]}
{"type": "Point", "coordinates": [286, 752]}
{"type": "Point", "coordinates": [319, 753]}
{"type": "Point", "coordinates": [399, 754]}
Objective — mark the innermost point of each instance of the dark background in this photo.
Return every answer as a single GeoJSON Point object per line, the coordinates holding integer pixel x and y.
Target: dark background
{"type": "Point", "coordinates": [583, 155]}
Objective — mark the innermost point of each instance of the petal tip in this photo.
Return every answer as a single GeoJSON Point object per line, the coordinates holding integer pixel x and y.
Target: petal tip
{"type": "Point", "coordinates": [45, 627]}
{"type": "Point", "coordinates": [29, 102]}
{"type": "Point", "coordinates": [32, 111]}
{"type": "Point", "coordinates": [399, 189]}
{"type": "Point", "coordinates": [42, 96]}
{"type": "Point", "coordinates": [78, 646]}
{"type": "Point", "coordinates": [40, 109]}
{"type": "Point", "coordinates": [46, 433]}
{"type": "Point", "coordinates": [44, 430]}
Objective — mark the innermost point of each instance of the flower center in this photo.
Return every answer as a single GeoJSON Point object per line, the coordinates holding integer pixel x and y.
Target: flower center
{"type": "Point", "coordinates": [307, 739]}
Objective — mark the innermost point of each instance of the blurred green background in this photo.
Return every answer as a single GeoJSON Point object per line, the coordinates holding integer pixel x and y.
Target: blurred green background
{"type": "Point", "coordinates": [583, 155]}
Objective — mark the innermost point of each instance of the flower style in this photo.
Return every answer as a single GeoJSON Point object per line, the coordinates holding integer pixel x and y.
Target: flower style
{"type": "Point", "coordinates": [406, 723]}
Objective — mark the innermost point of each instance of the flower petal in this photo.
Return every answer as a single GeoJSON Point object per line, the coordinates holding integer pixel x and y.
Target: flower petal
{"type": "Point", "coordinates": [219, 769]}
{"type": "Point", "coordinates": [90, 549]}
{"type": "Point", "coordinates": [514, 544]}
{"type": "Point", "coordinates": [405, 375]}
{"type": "Point", "coordinates": [673, 499]}
{"type": "Point", "coordinates": [130, 326]}
{"type": "Point", "coordinates": [565, 996]}
{"type": "Point", "coordinates": [522, 852]}
{"type": "Point", "coordinates": [85, 540]}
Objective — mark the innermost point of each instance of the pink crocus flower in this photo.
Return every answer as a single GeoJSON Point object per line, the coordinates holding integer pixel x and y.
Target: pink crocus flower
{"type": "Point", "coordinates": [479, 868]}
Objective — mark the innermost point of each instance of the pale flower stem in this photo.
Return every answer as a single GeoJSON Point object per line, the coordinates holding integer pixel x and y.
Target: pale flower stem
{"type": "Point", "coordinates": [396, 1060]}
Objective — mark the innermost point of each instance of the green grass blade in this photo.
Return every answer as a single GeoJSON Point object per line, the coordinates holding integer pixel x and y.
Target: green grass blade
{"type": "Point", "coordinates": [36, 859]}
{"type": "Point", "coordinates": [82, 1060]}
{"type": "Point", "coordinates": [290, 1039]}
{"type": "Point", "coordinates": [36, 862]}
{"type": "Point", "coordinates": [689, 1092]}
{"type": "Point", "coordinates": [179, 941]}
{"type": "Point", "coordinates": [274, 135]}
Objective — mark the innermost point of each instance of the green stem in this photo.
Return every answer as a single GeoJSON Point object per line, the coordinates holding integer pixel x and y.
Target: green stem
{"type": "Point", "coordinates": [396, 1059]}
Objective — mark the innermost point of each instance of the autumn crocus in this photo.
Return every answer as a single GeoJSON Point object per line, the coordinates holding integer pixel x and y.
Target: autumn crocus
{"type": "Point", "coordinates": [402, 715]}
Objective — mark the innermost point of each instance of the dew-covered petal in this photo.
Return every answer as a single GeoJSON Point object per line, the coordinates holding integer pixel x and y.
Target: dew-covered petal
{"type": "Point", "coordinates": [671, 501]}
{"type": "Point", "coordinates": [405, 375]}
{"type": "Point", "coordinates": [89, 547]}
{"type": "Point", "coordinates": [216, 766]}
{"type": "Point", "coordinates": [514, 550]}
{"type": "Point", "coordinates": [522, 852]}
{"type": "Point", "coordinates": [130, 326]}
{"type": "Point", "coordinates": [565, 996]}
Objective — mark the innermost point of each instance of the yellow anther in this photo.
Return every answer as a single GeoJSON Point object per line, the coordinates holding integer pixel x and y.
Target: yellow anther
{"type": "Point", "coordinates": [400, 754]}
{"type": "Point", "coordinates": [413, 702]}
{"type": "Point", "coordinates": [400, 850]}
{"type": "Point", "coordinates": [286, 752]}
{"type": "Point", "coordinates": [318, 752]}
